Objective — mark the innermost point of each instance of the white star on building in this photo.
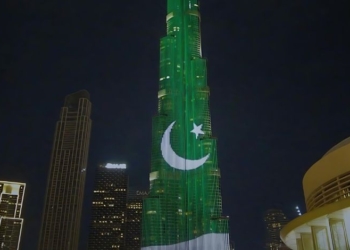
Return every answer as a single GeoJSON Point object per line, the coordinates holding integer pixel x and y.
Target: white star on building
{"type": "Point", "coordinates": [197, 130]}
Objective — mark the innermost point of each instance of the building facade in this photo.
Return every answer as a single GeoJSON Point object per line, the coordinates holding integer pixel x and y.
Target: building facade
{"type": "Point", "coordinates": [108, 214]}
{"type": "Point", "coordinates": [65, 187]}
{"type": "Point", "coordinates": [184, 207]}
{"type": "Point", "coordinates": [274, 220]}
{"type": "Point", "coordinates": [11, 223]}
{"type": "Point", "coordinates": [134, 218]}
{"type": "Point", "coordinates": [326, 224]}
{"type": "Point", "coordinates": [232, 245]}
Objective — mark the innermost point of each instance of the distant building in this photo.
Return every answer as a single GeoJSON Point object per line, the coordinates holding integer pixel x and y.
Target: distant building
{"type": "Point", "coordinates": [134, 217]}
{"type": "Point", "coordinates": [232, 245]}
{"type": "Point", "coordinates": [108, 215]}
{"type": "Point", "coordinates": [274, 220]}
{"type": "Point", "coordinates": [11, 223]}
{"type": "Point", "coordinates": [66, 180]}
{"type": "Point", "coordinates": [326, 224]}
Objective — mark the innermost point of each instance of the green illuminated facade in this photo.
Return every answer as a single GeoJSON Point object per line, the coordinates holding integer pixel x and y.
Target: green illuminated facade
{"type": "Point", "coordinates": [183, 209]}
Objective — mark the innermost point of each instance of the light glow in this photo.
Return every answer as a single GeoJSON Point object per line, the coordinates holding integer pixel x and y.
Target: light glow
{"type": "Point", "coordinates": [298, 210]}
{"type": "Point", "coordinates": [141, 192]}
{"type": "Point", "coordinates": [115, 166]}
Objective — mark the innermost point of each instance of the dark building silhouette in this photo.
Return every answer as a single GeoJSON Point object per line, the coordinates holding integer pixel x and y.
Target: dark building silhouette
{"type": "Point", "coordinates": [108, 215]}
{"type": "Point", "coordinates": [275, 220]}
{"type": "Point", "coordinates": [134, 217]}
{"type": "Point", "coordinates": [11, 223]}
{"type": "Point", "coordinates": [65, 187]}
{"type": "Point", "coordinates": [232, 245]}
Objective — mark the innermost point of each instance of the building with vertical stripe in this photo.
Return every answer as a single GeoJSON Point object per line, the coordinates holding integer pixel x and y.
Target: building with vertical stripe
{"type": "Point", "coordinates": [66, 180]}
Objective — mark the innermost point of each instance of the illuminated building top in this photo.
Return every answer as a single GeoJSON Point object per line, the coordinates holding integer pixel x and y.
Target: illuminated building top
{"type": "Point", "coordinates": [11, 201]}
{"type": "Point", "coordinates": [11, 223]}
{"type": "Point", "coordinates": [108, 213]}
{"type": "Point", "coordinates": [115, 166]}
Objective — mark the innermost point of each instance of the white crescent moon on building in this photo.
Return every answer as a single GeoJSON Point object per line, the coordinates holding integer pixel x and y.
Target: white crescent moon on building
{"type": "Point", "coordinates": [174, 160]}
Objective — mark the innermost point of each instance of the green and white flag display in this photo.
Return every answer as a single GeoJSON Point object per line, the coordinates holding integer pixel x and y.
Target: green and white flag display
{"type": "Point", "coordinates": [183, 210]}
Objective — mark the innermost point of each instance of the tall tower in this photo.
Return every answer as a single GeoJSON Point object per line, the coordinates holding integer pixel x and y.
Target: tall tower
{"type": "Point", "coordinates": [11, 223]}
{"type": "Point", "coordinates": [108, 215]}
{"type": "Point", "coordinates": [183, 209]}
{"type": "Point", "coordinates": [134, 218]}
{"type": "Point", "coordinates": [275, 220]}
{"type": "Point", "coordinates": [66, 180]}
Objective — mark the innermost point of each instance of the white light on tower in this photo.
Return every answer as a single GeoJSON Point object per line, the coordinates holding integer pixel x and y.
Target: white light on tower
{"type": "Point", "coordinates": [298, 210]}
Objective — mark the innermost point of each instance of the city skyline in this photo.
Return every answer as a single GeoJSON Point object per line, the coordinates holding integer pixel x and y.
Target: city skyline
{"type": "Point", "coordinates": [278, 95]}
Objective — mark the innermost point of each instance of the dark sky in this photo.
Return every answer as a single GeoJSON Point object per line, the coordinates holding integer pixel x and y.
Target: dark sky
{"type": "Point", "coordinates": [278, 73]}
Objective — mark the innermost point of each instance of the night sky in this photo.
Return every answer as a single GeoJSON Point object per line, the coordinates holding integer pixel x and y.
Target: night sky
{"type": "Point", "coordinates": [278, 73]}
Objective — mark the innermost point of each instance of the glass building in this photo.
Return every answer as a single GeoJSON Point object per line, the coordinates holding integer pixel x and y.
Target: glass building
{"type": "Point", "coordinates": [11, 223]}
{"type": "Point", "coordinates": [184, 207]}
{"type": "Point", "coordinates": [65, 187]}
{"type": "Point", "coordinates": [108, 214]}
{"type": "Point", "coordinates": [134, 218]}
{"type": "Point", "coordinates": [274, 220]}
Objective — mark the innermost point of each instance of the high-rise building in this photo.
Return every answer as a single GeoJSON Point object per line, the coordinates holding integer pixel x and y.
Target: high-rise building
{"type": "Point", "coordinates": [232, 245]}
{"type": "Point", "coordinates": [108, 214]}
{"type": "Point", "coordinates": [183, 209]}
{"type": "Point", "coordinates": [66, 180]}
{"type": "Point", "coordinates": [11, 223]}
{"type": "Point", "coordinates": [326, 223]}
{"type": "Point", "coordinates": [134, 218]}
{"type": "Point", "coordinates": [274, 220]}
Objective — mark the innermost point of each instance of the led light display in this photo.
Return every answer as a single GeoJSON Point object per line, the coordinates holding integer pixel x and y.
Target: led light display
{"type": "Point", "coordinates": [117, 166]}
{"type": "Point", "coordinates": [183, 209]}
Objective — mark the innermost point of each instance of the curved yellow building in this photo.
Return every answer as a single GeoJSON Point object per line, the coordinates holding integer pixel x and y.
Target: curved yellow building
{"type": "Point", "coordinates": [326, 225]}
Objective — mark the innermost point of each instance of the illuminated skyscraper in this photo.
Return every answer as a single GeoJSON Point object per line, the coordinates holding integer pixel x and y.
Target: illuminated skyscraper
{"type": "Point", "coordinates": [108, 215]}
{"type": "Point", "coordinates": [275, 220]}
{"type": "Point", "coordinates": [11, 223]}
{"type": "Point", "coordinates": [134, 218]}
{"type": "Point", "coordinates": [183, 209]}
{"type": "Point", "coordinates": [66, 180]}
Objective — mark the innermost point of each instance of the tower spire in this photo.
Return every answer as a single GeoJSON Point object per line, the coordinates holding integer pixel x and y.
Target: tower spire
{"type": "Point", "coordinates": [183, 22]}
